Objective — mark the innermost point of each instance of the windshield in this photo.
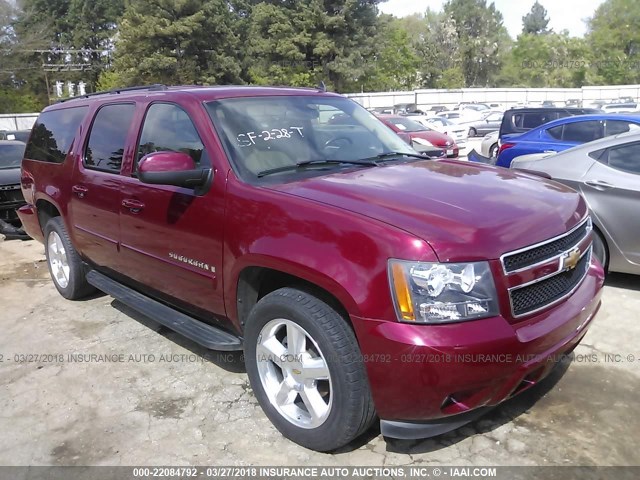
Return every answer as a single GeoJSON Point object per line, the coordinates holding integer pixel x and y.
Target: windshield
{"type": "Point", "coordinates": [11, 155]}
{"type": "Point", "coordinates": [262, 134]}
{"type": "Point", "coordinates": [406, 125]}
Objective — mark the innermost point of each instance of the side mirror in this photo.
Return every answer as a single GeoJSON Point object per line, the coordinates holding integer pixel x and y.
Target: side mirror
{"type": "Point", "coordinates": [172, 168]}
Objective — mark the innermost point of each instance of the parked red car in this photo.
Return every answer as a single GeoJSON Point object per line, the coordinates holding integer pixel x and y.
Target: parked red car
{"type": "Point", "coordinates": [417, 132]}
{"type": "Point", "coordinates": [361, 280]}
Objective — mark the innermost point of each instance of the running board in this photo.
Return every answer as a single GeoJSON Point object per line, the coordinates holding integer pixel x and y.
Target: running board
{"type": "Point", "coordinates": [201, 333]}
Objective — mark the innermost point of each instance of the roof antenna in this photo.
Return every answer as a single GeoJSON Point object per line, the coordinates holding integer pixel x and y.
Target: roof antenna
{"type": "Point", "coordinates": [322, 87]}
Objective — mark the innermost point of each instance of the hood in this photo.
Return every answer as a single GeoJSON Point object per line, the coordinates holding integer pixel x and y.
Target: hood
{"type": "Point", "coordinates": [465, 212]}
{"type": "Point", "coordinates": [437, 138]}
{"type": "Point", "coordinates": [9, 176]}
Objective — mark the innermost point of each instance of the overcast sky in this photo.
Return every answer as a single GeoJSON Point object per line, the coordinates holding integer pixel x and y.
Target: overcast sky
{"type": "Point", "coordinates": [564, 14]}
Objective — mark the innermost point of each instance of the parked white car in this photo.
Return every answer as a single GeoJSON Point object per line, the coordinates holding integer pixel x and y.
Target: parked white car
{"type": "Point", "coordinates": [489, 146]}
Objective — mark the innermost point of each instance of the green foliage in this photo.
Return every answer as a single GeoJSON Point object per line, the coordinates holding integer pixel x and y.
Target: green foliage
{"type": "Point", "coordinates": [614, 40]}
{"type": "Point", "coordinates": [551, 60]}
{"type": "Point", "coordinates": [109, 80]}
{"type": "Point", "coordinates": [395, 64]}
{"type": "Point", "coordinates": [313, 40]}
{"type": "Point", "coordinates": [15, 101]}
{"type": "Point", "coordinates": [178, 42]}
{"type": "Point", "coordinates": [481, 36]}
{"type": "Point", "coordinates": [536, 21]}
{"type": "Point", "coordinates": [344, 43]}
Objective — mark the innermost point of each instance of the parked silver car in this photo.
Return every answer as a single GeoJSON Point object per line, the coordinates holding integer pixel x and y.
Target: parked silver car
{"type": "Point", "coordinates": [488, 124]}
{"type": "Point", "coordinates": [607, 173]}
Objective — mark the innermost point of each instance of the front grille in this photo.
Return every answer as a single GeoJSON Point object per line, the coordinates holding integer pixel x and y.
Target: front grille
{"type": "Point", "coordinates": [546, 292]}
{"type": "Point", "coordinates": [527, 258]}
{"type": "Point", "coordinates": [11, 196]}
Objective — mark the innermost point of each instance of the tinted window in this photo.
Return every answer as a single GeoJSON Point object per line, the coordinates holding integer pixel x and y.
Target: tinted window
{"type": "Point", "coordinates": [625, 158]}
{"type": "Point", "coordinates": [583, 132]}
{"type": "Point", "coordinates": [556, 132]}
{"type": "Point", "coordinates": [168, 128]}
{"type": "Point", "coordinates": [533, 120]}
{"type": "Point", "coordinates": [616, 127]}
{"type": "Point", "coordinates": [108, 137]}
{"type": "Point", "coordinates": [53, 134]}
{"type": "Point", "coordinates": [11, 155]}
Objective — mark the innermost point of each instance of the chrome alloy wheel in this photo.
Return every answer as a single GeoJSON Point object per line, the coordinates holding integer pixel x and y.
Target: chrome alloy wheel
{"type": "Point", "coordinates": [294, 373]}
{"type": "Point", "coordinates": [58, 261]}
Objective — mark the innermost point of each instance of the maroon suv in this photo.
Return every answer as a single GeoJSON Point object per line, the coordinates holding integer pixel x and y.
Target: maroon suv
{"type": "Point", "coordinates": [361, 280]}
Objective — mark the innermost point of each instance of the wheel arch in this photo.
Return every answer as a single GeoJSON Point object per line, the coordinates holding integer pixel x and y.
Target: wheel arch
{"type": "Point", "coordinates": [254, 282]}
{"type": "Point", "coordinates": [46, 210]}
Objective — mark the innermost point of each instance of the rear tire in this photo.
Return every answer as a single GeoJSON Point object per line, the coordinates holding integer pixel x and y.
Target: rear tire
{"type": "Point", "coordinates": [473, 132]}
{"type": "Point", "coordinates": [65, 266]}
{"type": "Point", "coordinates": [493, 151]}
{"type": "Point", "coordinates": [305, 368]}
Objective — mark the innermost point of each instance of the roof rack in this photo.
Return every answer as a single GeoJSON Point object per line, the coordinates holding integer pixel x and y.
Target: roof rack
{"type": "Point", "coordinates": [156, 87]}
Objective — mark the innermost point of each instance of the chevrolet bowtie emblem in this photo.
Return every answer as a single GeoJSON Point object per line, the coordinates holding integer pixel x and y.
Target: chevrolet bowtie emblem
{"type": "Point", "coordinates": [571, 259]}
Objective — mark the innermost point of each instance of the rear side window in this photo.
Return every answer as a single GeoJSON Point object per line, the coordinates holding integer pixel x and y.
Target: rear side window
{"type": "Point", "coordinates": [583, 132]}
{"type": "Point", "coordinates": [616, 127]}
{"type": "Point", "coordinates": [625, 158]}
{"type": "Point", "coordinates": [108, 136]}
{"type": "Point", "coordinates": [53, 134]}
{"type": "Point", "coordinates": [168, 128]}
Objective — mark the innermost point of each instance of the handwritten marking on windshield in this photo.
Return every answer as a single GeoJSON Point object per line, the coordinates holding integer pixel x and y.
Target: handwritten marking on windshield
{"type": "Point", "coordinates": [250, 138]}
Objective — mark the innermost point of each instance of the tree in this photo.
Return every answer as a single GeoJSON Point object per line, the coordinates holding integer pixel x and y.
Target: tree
{"type": "Point", "coordinates": [438, 48]}
{"type": "Point", "coordinates": [551, 60]}
{"type": "Point", "coordinates": [312, 40]}
{"type": "Point", "coordinates": [396, 65]}
{"type": "Point", "coordinates": [536, 21]}
{"type": "Point", "coordinates": [191, 41]}
{"type": "Point", "coordinates": [614, 40]}
{"type": "Point", "coordinates": [481, 38]}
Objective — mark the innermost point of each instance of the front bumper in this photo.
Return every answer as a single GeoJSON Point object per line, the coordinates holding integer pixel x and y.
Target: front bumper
{"type": "Point", "coordinates": [433, 374]}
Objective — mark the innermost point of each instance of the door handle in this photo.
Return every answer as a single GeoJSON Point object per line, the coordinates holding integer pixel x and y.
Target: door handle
{"type": "Point", "coordinates": [135, 206]}
{"type": "Point", "coordinates": [80, 191]}
{"type": "Point", "coordinates": [550, 151]}
{"type": "Point", "coordinates": [599, 184]}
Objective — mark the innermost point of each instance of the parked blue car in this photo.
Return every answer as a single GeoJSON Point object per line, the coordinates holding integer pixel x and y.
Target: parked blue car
{"type": "Point", "coordinates": [563, 134]}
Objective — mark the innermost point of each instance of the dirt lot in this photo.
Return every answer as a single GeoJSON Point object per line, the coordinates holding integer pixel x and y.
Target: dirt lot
{"type": "Point", "coordinates": [162, 400]}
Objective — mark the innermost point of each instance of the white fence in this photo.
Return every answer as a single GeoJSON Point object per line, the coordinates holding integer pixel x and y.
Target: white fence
{"type": "Point", "coordinates": [505, 96]}
{"type": "Point", "coordinates": [17, 121]}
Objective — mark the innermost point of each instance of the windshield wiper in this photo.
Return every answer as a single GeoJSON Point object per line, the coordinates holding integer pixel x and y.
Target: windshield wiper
{"type": "Point", "coordinates": [368, 162]}
{"type": "Point", "coordinates": [382, 156]}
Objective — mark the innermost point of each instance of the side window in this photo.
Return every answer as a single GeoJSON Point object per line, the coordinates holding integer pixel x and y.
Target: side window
{"type": "Point", "coordinates": [53, 134]}
{"type": "Point", "coordinates": [108, 136]}
{"type": "Point", "coordinates": [583, 132]}
{"type": "Point", "coordinates": [616, 127]}
{"type": "Point", "coordinates": [625, 158]}
{"type": "Point", "coordinates": [168, 128]}
{"type": "Point", "coordinates": [533, 120]}
{"type": "Point", "coordinates": [556, 132]}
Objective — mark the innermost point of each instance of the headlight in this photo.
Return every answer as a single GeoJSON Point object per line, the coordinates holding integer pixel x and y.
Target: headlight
{"type": "Point", "coordinates": [442, 292]}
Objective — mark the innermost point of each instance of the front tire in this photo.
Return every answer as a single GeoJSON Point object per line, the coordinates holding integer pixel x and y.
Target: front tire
{"type": "Point", "coordinates": [473, 132]}
{"type": "Point", "coordinates": [65, 265]}
{"type": "Point", "coordinates": [305, 368]}
{"type": "Point", "coordinates": [600, 250]}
